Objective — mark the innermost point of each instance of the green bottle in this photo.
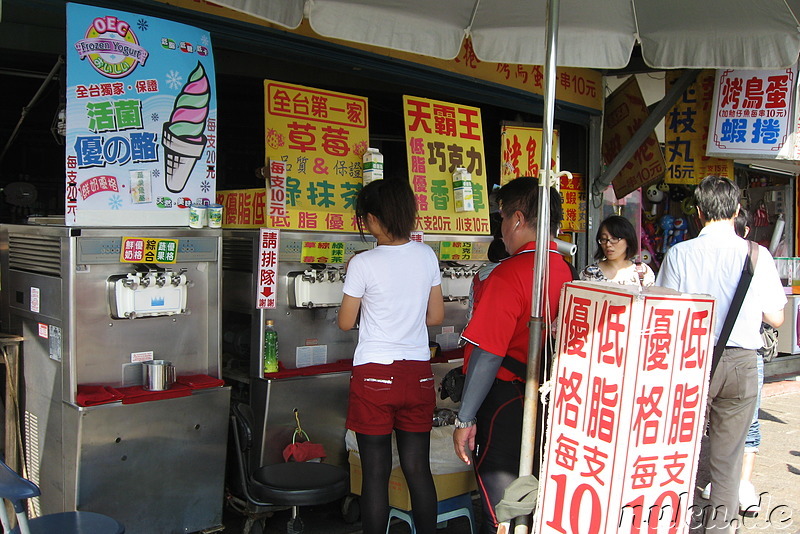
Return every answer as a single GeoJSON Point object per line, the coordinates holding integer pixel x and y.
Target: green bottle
{"type": "Point", "coordinates": [270, 347]}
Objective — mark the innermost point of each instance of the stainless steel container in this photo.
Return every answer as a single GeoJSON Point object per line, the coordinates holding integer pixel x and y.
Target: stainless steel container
{"type": "Point", "coordinates": [158, 375]}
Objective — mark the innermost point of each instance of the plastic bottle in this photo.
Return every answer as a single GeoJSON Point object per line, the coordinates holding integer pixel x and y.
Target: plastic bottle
{"type": "Point", "coordinates": [270, 347]}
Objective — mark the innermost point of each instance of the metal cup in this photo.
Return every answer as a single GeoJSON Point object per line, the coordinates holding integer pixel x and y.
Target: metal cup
{"type": "Point", "coordinates": [158, 375]}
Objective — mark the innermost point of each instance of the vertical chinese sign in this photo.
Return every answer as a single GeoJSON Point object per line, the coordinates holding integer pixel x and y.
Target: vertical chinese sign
{"type": "Point", "coordinates": [573, 197]}
{"type": "Point", "coordinates": [752, 114]}
{"type": "Point", "coordinates": [627, 412]}
{"type": "Point", "coordinates": [268, 247]}
{"type": "Point", "coordinates": [521, 154]}
{"type": "Point", "coordinates": [687, 132]}
{"type": "Point", "coordinates": [141, 119]}
{"type": "Point", "coordinates": [320, 136]}
{"type": "Point", "coordinates": [626, 110]}
{"type": "Point", "coordinates": [440, 137]}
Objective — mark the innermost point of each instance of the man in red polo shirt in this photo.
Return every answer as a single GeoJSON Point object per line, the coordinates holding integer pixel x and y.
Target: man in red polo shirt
{"type": "Point", "coordinates": [489, 423]}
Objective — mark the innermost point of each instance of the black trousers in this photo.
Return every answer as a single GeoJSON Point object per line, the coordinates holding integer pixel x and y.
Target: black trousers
{"type": "Point", "coordinates": [497, 446]}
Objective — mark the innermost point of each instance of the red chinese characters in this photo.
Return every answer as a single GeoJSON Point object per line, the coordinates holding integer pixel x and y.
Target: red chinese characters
{"type": "Point", "coordinates": [268, 248]}
{"type": "Point", "coordinates": [626, 415]}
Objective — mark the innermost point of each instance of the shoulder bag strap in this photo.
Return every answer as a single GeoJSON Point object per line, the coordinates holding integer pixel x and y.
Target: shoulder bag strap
{"type": "Point", "coordinates": [736, 303]}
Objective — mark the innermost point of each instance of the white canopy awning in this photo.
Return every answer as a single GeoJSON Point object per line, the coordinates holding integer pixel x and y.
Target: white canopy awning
{"type": "Point", "coordinates": [592, 33]}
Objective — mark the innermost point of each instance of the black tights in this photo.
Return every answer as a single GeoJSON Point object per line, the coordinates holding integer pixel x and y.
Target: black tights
{"type": "Point", "coordinates": [376, 466]}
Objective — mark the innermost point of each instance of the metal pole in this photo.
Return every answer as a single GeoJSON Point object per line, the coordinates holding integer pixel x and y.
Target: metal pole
{"type": "Point", "coordinates": [539, 274]}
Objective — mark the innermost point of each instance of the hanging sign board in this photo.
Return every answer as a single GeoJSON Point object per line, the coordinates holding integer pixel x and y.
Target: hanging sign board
{"type": "Point", "coordinates": [626, 110]}
{"type": "Point", "coordinates": [752, 115]}
{"type": "Point", "coordinates": [627, 412]}
{"type": "Point", "coordinates": [440, 138]}
{"type": "Point", "coordinates": [521, 153]}
{"type": "Point", "coordinates": [320, 137]}
{"type": "Point", "coordinates": [242, 208]}
{"type": "Point", "coordinates": [573, 195]}
{"type": "Point", "coordinates": [686, 133]}
{"type": "Point", "coordinates": [141, 119]}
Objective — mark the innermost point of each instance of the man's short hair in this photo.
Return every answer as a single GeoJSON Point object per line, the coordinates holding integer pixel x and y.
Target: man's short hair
{"type": "Point", "coordinates": [522, 194]}
{"type": "Point", "coordinates": [741, 222]}
{"type": "Point", "coordinates": [717, 197]}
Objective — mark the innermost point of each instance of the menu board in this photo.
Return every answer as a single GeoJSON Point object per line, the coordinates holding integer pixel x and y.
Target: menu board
{"type": "Point", "coordinates": [440, 138]}
{"type": "Point", "coordinates": [752, 115]}
{"type": "Point", "coordinates": [320, 137]}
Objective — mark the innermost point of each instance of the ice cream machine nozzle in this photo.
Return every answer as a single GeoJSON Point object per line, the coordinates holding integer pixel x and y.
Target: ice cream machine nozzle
{"type": "Point", "coordinates": [149, 292]}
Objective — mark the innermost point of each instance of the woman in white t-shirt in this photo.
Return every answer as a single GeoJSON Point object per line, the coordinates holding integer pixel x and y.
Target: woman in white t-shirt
{"type": "Point", "coordinates": [617, 246]}
{"type": "Point", "coordinates": [396, 288]}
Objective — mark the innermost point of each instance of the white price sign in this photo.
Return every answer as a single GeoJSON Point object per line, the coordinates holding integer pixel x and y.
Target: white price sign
{"type": "Point", "coordinates": [268, 247]}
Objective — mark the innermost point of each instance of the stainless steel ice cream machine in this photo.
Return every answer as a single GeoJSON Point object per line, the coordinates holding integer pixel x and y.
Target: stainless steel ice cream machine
{"type": "Point", "coordinates": [92, 304]}
{"type": "Point", "coordinates": [308, 297]}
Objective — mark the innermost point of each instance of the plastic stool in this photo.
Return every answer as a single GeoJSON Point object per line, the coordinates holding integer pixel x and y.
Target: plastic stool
{"type": "Point", "coordinates": [458, 506]}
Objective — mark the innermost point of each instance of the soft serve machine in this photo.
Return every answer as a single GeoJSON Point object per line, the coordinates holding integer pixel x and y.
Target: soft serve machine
{"type": "Point", "coordinates": [87, 318]}
{"type": "Point", "coordinates": [309, 295]}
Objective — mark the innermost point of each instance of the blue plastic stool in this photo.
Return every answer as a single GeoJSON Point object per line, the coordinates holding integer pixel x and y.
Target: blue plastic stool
{"type": "Point", "coordinates": [16, 489]}
{"type": "Point", "coordinates": [458, 506]}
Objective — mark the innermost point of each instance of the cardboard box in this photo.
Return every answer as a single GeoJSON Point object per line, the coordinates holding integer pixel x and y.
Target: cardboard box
{"type": "Point", "coordinates": [447, 486]}
{"type": "Point", "coordinates": [464, 200]}
{"type": "Point", "coordinates": [372, 166]}
{"type": "Point", "coordinates": [371, 176]}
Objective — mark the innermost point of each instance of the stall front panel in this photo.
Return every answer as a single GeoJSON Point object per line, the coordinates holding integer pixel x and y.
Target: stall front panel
{"type": "Point", "coordinates": [305, 317]}
{"type": "Point", "coordinates": [90, 314]}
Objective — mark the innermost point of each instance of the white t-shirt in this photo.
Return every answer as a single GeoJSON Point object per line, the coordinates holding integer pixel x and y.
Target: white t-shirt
{"type": "Point", "coordinates": [712, 264]}
{"type": "Point", "coordinates": [394, 284]}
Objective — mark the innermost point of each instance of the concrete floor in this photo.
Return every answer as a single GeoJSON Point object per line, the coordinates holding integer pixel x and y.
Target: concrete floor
{"type": "Point", "coordinates": [777, 471]}
{"type": "Point", "coordinates": [777, 478]}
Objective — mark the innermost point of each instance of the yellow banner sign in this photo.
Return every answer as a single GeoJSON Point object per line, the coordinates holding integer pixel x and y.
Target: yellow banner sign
{"type": "Point", "coordinates": [455, 250]}
{"type": "Point", "coordinates": [440, 138]}
{"type": "Point", "coordinates": [321, 137]}
{"type": "Point", "coordinates": [522, 153]}
{"type": "Point", "coordinates": [573, 194]}
{"type": "Point", "coordinates": [687, 127]}
{"type": "Point", "coordinates": [322, 252]}
{"type": "Point", "coordinates": [242, 208]}
{"type": "Point", "coordinates": [626, 110]}
{"type": "Point", "coordinates": [148, 250]}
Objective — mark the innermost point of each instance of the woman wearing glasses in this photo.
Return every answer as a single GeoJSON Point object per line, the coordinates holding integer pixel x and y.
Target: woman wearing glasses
{"type": "Point", "coordinates": [617, 247]}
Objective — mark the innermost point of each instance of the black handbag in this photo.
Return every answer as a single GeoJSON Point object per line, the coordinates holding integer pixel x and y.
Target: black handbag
{"type": "Point", "coordinates": [453, 384]}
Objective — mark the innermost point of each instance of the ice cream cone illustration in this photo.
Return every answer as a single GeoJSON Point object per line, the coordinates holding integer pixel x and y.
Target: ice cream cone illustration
{"type": "Point", "coordinates": [183, 137]}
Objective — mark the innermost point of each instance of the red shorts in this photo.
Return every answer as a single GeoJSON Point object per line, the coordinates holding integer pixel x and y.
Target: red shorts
{"type": "Point", "coordinates": [401, 395]}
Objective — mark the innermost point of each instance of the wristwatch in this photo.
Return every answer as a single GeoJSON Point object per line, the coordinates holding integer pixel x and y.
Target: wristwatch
{"type": "Point", "coordinates": [465, 424]}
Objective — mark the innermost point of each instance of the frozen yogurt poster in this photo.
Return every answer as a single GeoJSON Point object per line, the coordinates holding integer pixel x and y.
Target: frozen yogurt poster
{"type": "Point", "coordinates": [141, 119]}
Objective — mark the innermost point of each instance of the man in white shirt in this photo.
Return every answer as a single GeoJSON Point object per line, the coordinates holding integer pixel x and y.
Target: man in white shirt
{"type": "Point", "coordinates": [712, 264]}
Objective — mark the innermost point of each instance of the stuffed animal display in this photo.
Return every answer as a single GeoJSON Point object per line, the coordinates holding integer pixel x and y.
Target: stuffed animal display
{"type": "Point", "coordinates": [659, 233]}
